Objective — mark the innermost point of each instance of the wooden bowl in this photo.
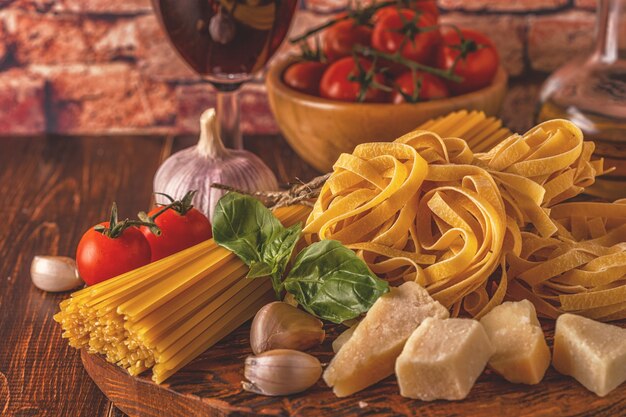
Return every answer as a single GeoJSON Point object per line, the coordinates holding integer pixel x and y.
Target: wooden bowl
{"type": "Point", "coordinates": [319, 130]}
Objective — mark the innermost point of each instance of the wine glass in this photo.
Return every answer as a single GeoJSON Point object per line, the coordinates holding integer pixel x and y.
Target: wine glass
{"type": "Point", "coordinates": [226, 42]}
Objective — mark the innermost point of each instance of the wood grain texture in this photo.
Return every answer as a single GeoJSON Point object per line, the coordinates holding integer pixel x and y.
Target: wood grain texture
{"type": "Point", "coordinates": [52, 191]}
{"type": "Point", "coordinates": [211, 386]}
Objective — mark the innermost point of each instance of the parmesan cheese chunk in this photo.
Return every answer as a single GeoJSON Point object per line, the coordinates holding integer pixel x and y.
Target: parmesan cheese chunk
{"type": "Point", "coordinates": [592, 352]}
{"type": "Point", "coordinates": [442, 359]}
{"type": "Point", "coordinates": [368, 356]}
{"type": "Point", "coordinates": [522, 355]}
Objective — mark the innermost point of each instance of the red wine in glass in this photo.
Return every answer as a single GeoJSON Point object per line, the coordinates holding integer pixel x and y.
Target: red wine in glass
{"type": "Point", "coordinates": [226, 42]}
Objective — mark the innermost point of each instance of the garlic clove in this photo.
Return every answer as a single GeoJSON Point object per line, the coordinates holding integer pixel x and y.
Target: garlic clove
{"type": "Point", "coordinates": [343, 338]}
{"type": "Point", "coordinates": [281, 372]}
{"type": "Point", "coordinates": [279, 325]}
{"type": "Point", "coordinates": [54, 273]}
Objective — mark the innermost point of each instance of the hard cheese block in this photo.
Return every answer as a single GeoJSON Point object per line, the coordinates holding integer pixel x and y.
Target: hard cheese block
{"type": "Point", "coordinates": [592, 352]}
{"type": "Point", "coordinates": [369, 355]}
{"type": "Point", "coordinates": [522, 355]}
{"type": "Point", "coordinates": [442, 359]}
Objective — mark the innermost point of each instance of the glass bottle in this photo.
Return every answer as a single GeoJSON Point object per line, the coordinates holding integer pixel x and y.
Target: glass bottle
{"type": "Point", "coordinates": [591, 92]}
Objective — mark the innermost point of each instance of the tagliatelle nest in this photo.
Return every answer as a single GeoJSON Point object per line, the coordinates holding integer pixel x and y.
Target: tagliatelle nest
{"type": "Point", "coordinates": [476, 228]}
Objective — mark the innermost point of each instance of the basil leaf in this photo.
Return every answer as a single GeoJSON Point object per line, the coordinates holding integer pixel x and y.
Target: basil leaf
{"type": "Point", "coordinates": [243, 225]}
{"type": "Point", "coordinates": [331, 282]}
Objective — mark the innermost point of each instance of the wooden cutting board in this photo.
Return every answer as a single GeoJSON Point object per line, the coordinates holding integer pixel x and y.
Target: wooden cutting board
{"type": "Point", "coordinates": [211, 386]}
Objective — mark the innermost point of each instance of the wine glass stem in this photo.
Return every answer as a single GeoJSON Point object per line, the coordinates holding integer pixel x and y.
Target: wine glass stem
{"type": "Point", "coordinates": [228, 117]}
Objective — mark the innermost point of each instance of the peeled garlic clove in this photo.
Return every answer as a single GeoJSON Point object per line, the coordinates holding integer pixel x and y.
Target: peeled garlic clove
{"type": "Point", "coordinates": [281, 372]}
{"type": "Point", "coordinates": [54, 273]}
{"type": "Point", "coordinates": [279, 325]}
{"type": "Point", "coordinates": [343, 338]}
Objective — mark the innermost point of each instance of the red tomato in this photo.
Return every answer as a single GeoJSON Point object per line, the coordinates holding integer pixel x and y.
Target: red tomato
{"type": "Point", "coordinates": [477, 68]}
{"type": "Point", "coordinates": [424, 6]}
{"type": "Point", "coordinates": [178, 231]}
{"type": "Point", "coordinates": [391, 32]}
{"type": "Point", "coordinates": [99, 257]}
{"type": "Point", "coordinates": [342, 36]}
{"type": "Point", "coordinates": [336, 85]}
{"type": "Point", "coordinates": [432, 87]}
{"type": "Point", "coordinates": [305, 76]}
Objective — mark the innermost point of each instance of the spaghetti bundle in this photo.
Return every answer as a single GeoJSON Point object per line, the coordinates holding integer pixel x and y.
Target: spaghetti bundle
{"type": "Point", "coordinates": [428, 209]}
{"type": "Point", "coordinates": [163, 315]}
{"type": "Point", "coordinates": [481, 132]}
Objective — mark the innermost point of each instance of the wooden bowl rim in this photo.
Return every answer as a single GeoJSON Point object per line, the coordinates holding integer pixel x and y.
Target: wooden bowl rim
{"type": "Point", "coordinates": [275, 84]}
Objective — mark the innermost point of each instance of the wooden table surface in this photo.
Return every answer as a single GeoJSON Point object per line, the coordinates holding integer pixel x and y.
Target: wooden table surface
{"type": "Point", "coordinates": [51, 191]}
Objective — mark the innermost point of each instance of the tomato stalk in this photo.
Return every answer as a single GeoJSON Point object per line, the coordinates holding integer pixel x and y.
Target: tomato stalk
{"type": "Point", "coordinates": [366, 79]}
{"type": "Point", "coordinates": [316, 54]}
{"type": "Point", "coordinates": [466, 47]}
{"type": "Point", "coordinates": [116, 228]}
{"type": "Point", "coordinates": [181, 206]}
{"type": "Point", "coordinates": [415, 96]}
{"type": "Point", "coordinates": [399, 59]}
{"type": "Point", "coordinates": [361, 15]}
{"type": "Point", "coordinates": [410, 28]}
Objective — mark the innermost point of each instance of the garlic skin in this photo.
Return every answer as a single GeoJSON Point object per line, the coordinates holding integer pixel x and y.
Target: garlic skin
{"type": "Point", "coordinates": [54, 273]}
{"type": "Point", "coordinates": [279, 325]}
{"type": "Point", "coordinates": [197, 167]}
{"type": "Point", "coordinates": [281, 372]}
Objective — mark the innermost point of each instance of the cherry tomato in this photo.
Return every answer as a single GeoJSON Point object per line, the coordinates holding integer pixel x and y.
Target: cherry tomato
{"type": "Point", "coordinates": [305, 76]}
{"type": "Point", "coordinates": [342, 36]}
{"type": "Point", "coordinates": [424, 6]}
{"type": "Point", "coordinates": [402, 30]}
{"type": "Point", "coordinates": [432, 87]}
{"type": "Point", "coordinates": [100, 257]}
{"type": "Point", "coordinates": [477, 68]}
{"type": "Point", "coordinates": [336, 84]}
{"type": "Point", "coordinates": [178, 231]}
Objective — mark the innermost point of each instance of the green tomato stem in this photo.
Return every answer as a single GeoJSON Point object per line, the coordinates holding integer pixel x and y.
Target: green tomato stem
{"type": "Point", "coordinates": [399, 59]}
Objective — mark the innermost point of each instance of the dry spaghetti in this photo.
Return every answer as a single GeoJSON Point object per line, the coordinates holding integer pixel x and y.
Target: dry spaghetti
{"type": "Point", "coordinates": [163, 315]}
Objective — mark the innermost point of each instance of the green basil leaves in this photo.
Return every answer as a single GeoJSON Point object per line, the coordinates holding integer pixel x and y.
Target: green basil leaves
{"type": "Point", "coordinates": [330, 281]}
{"type": "Point", "coordinates": [327, 278]}
{"type": "Point", "coordinates": [247, 228]}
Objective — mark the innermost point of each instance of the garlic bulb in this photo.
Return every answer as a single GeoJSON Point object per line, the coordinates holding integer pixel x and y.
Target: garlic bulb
{"type": "Point", "coordinates": [279, 325]}
{"type": "Point", "coordinates": [281, 372]}
{"type": "Point", "coordinates": [197, 167]}
{"type": "Point", "coordinates": [54, 273]}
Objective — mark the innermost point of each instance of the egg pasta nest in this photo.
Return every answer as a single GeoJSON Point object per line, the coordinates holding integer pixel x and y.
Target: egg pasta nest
{"type": "Point", "coordinates": [474, 228]}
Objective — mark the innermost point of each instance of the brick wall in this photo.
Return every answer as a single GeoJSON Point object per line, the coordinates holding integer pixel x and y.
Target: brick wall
{"type": "Point", "coordinates": [103, 66]}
